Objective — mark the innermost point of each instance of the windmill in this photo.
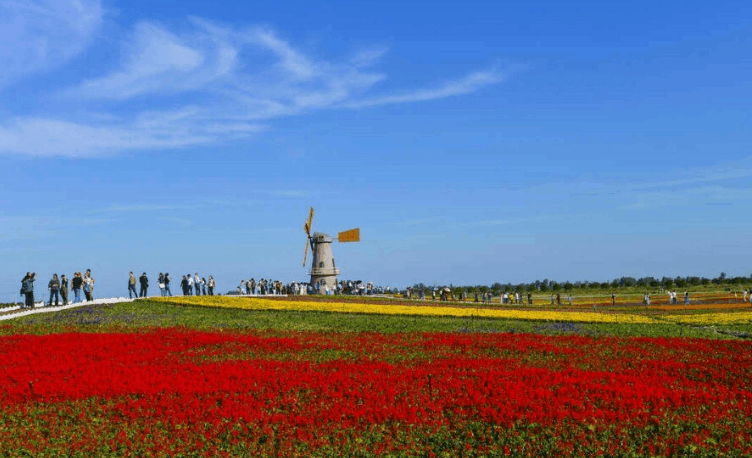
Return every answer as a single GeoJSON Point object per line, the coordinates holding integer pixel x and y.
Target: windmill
{"type": "Point", "coordinates": [323, 268]}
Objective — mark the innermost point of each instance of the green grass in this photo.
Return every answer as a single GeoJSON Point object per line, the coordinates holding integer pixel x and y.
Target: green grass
{"type": "Point", "coordinates": [140, 315]}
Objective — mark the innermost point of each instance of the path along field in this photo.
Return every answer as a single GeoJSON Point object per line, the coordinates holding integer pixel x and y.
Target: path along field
{"type": "Point", "coordinates": [106, 381]}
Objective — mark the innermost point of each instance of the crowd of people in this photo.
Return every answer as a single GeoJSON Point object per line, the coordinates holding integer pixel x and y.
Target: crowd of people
{"type": "Point", "coordinates": [275, 287]}
{"type": "Point", "coordinates": [59, 288]}
{"type": "Point", "coordinates": [191, 285]}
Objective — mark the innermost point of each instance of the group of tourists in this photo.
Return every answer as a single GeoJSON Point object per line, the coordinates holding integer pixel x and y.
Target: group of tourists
{"type": "Point", "coordinates": [265, 287]}
{"type": "Point", "coordinates": [195, 285]}
{"type": "Point", "coordinates": [190, 284]}
{"type": "Point", "coordinates": [58, 288]}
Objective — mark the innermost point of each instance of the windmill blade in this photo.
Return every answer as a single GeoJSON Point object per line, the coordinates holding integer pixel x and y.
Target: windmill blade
{"type": "Point", "coordinates": [305, 256]}
{"type": "Point", "coordinates": [352, 235]}
{"type": "Point", "coordinates": [307, 225]}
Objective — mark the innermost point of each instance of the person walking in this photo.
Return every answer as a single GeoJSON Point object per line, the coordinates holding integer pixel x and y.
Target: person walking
{"type": "Point", "coordinates": [167, 281]}
{"type": "Point", "coordinates": [54, 287]}
{"type": "Point", "coordinates": [161, 284]}
{"type": "Point", "coordinates": [686, 297]}
{"type": "Point", "coordinates": [27, 288]}
{"type": "Point", "coordinates": [197, 284]}
{"type": "Point", "coordinates": [529, 299]}
{"type": "Point", "coordinates": [64, 289]}
{"type": "Point", "coordinates": [144, 280]}
{"type": "Point", "coordinates": [613, 298]}
{"type": "Point", "coordinates": [132, 286]}
{"type": "Point", "coordinates": [77, 283]}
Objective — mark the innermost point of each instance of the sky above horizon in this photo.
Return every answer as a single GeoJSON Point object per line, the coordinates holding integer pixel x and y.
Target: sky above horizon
{"type": "Point", "coordinates": [472, 142]}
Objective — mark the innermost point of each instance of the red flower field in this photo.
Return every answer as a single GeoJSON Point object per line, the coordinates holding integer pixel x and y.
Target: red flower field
{"type": "Point", "coordinates": [178, 392]}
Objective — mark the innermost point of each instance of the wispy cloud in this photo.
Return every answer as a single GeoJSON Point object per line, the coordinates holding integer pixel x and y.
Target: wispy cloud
{"type": "Point", "coordinates": [37, 36]}
{"type": "Point", "coordinates": [178, 221]}
{"type": "Point", "coordinates": [700, 195]}
{"type": "Point", "coordinates": [207, 83]}
{"type": "Point", "coordinates": [13, 228]}
{"type": "Point", "coordinates": [465, 85]}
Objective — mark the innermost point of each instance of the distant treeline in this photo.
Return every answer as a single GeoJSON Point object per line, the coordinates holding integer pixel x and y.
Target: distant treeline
{"type": "Point", "coordinates": [623, 282]}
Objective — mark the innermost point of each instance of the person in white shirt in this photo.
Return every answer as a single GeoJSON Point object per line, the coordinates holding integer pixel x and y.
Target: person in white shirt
{"type": "Point", "coordinates": [190, 284]}
{"type": "Point", "coordinates": [197, 284]}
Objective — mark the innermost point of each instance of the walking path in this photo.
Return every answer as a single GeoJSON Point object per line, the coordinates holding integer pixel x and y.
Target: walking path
{"type": "Point", "coordinates": [10, 313]}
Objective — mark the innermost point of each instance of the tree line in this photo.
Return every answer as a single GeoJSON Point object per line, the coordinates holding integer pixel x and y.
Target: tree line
{"type": "Point", "coordinates": [617, 283]}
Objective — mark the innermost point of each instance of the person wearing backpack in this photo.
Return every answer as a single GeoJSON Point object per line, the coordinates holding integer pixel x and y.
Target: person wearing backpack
{"type": "Point", "coordinates": [132, 286]}
{"type": "Point", "coordinates": [27, 288]}
{"type": "Point", "coordinates": [54, 287]}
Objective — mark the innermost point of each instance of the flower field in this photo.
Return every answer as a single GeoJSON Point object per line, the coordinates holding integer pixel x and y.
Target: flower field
{"type": "Point", "coordinates": [398, 309]}
{"type": "Point", "coordinates": [743, 316]}
{"type": "Point", "coordinates": [179, 391]}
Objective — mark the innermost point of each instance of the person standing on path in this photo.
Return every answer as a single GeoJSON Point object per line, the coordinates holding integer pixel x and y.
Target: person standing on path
{"type": "Point", "coordinates": [77, 282]}
{"type": "Point", "coordinates": [54, 287]}
{"type": "Point", "coordinates": [132, 286]}
{"type": "Point", "coordinates": [64, 289]}
{"type": "Point", "coordinates": [211, 284]}
{"type": "Point", "coordinates": [88, 286]}
{"type": "Point", "coordinates": [161, 284]}
{"type": "Point", "coordinates": [27, 288]}
{"type": "Point", "coordinates": [613, 298]}
{"type": "Point", "coordinates": [167, 280]}
{"type": "Point", "coordinates": [197, 284]}
{"type": "Point", "coordinates": [144, 280]}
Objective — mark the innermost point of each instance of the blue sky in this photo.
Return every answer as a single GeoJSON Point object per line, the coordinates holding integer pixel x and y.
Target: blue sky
{"type": "Point", "coordinates": [472, 142]}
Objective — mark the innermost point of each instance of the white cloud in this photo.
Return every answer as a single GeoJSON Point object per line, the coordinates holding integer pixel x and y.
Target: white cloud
{"type": "Point", "coordinates": [234, 79]}
{"type": "Point", "coordinates": [41, 35]}
{"type": "Point", "coordinates": [50, 137]}
{"type": "Point", "coordinates": [158, 61]}
{"type": "Point", "coordinates": [466, 85]}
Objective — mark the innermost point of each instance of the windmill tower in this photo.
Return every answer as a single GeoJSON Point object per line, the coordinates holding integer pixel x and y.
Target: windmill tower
{"type": "Point", "coordinates": [323, 268]}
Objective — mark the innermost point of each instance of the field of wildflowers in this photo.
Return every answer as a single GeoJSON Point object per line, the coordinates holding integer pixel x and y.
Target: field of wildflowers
{"type": "Point", "coordinates": [176, 391]}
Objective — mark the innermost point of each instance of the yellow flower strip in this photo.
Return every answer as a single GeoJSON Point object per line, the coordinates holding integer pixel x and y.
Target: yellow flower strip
{"type": "Point", "coordinates": [389, 309]}
{"type": "Point", "coordinates": [710, 318]}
